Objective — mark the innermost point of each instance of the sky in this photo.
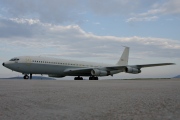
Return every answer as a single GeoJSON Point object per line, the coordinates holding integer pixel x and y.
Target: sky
{"type": "Point", "coordinates": [93, 30]}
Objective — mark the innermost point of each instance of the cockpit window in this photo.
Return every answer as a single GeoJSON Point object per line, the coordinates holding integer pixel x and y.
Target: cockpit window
{"type": "Point", "coordinates": [14, 59]}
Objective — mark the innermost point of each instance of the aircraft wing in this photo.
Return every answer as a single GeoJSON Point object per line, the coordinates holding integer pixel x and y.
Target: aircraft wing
{"type": "Point", "coordinates": [87, 71]}
{"type": "Point", "coordinates": [78, 71]}
{"type": "Point", "coordinates": [153, 65]}
{"type": "Point", "coordinates": [112, 68]}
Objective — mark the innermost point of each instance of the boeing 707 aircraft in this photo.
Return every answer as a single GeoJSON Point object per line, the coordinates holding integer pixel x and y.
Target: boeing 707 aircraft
{"type": "Point", "coordinates": [54, 67]}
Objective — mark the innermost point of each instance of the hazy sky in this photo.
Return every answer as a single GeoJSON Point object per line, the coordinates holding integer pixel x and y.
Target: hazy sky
{"type": "Point", "coordinates": [93, 30]}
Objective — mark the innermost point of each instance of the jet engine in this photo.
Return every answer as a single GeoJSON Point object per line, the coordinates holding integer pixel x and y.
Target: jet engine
{"type": "Point", "coordinates": [97, 72]}
{"type": "Point", "coordinates": [132, 70]}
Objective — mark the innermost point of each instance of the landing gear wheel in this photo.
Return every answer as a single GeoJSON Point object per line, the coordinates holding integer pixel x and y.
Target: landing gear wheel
{"type": "Point", "coordinates": [78, 78]}
{"type": "Point", "coordinates": [26, 77]}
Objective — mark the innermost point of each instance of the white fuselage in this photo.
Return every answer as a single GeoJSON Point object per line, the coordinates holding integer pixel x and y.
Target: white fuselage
{"type": "Point", "coordinates": [60, 67]}
{"type": "Point", "coordinates": [47, 65]}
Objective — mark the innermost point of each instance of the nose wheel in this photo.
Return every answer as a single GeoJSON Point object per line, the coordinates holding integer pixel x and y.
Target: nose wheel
{"type": "Point", "coordinates": [27, 77]}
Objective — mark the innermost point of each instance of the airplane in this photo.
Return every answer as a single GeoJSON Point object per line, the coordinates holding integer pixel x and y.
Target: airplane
{"type": "Point", "coordinates": [59, 68]}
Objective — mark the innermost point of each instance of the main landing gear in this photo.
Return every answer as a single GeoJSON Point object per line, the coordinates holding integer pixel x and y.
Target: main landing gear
{"type": "Point", "coordinates": [27, 77]}
{"type": "Point", "coordinates": [90, 78]}
{"type": "Point", "coordinates": [78, 78]}
{"type": "Point", "coordinates": [93, 78]}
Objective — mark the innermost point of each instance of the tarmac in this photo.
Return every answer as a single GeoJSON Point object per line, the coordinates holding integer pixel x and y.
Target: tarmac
{"type": "Point", "coordinates": [90, 100]}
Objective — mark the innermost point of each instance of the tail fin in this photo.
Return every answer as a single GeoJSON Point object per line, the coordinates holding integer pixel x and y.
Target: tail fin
{"type": "Point", "coordinates": [123, 61]}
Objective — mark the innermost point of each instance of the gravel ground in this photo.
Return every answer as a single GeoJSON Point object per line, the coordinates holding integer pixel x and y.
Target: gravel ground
{"type": "Point", "coordinates": [90, 100]}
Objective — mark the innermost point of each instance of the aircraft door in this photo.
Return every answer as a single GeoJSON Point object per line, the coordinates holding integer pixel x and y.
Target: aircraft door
{"type": "Point", "coordinates": [28, 61]}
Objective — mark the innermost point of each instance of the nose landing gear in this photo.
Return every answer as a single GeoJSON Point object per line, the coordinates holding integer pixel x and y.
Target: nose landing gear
{"type": "Point", "coordinates": [30, 76]}
{"type": "Point", "coordinates": [27, 77]}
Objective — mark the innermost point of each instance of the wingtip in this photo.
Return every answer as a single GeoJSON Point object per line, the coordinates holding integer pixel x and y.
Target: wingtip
{"type": "Point", "coordinates": [171, 63]}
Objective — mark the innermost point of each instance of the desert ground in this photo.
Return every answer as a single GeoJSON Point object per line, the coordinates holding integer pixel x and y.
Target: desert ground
{"type": "Point", "coordinates": [90, 100]}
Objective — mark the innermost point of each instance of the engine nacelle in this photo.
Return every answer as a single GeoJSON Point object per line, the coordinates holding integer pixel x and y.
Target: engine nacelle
{"type": "Point", "coordinates": [132, 70]}
{"type": "Point", "coordinates": [96, 72]}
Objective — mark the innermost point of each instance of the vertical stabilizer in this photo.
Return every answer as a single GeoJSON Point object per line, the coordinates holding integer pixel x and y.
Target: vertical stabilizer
{"type": "Point", "coordinates": [123, 61]}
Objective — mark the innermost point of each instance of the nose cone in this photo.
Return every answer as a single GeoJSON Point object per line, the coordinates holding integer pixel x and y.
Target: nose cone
{"type": "Point", "coordinates": [3, 64]}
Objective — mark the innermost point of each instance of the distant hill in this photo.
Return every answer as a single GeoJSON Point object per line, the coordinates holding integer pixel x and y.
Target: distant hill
{"type": "Point", "coordinates": [33, 77]}
{"type": "Point", "coordinates": [177, 76]}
